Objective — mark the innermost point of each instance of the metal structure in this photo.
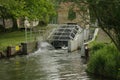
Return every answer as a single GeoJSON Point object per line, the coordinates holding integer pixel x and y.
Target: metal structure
{"type": "Point", "coordinates": [63, 34]}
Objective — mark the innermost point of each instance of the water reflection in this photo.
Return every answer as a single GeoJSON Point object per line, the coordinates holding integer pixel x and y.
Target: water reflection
{"type": "Point", "coordinates": [44, 65]}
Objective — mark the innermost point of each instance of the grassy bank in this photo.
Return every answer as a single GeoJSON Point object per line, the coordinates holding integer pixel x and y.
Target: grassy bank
{"type": "Point", "coordinates": [104, 60]}
{"type": "Point", "coordinates": [11, 39]}
{"type": "Point", "coordinates": [17, 37]}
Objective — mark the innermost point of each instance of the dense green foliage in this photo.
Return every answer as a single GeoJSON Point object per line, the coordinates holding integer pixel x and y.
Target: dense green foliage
{"type": "Point", "coordinates": [12, 8]}
{"type": "Point", "coordinates": [39, 9]}
{"type": "Point", "coordinates": [104, 61]}
{"type": "Point", "coordinates": [32, 9]}
{"type": "Point", "coordinates": [95, 46]}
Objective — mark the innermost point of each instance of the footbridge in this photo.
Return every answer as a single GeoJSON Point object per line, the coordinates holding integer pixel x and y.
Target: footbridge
{"type": "Point", "coordinates": [67, 36]}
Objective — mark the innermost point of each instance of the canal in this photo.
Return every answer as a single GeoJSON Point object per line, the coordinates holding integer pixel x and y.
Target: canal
{"type": "Point", "coordinates": [45, 65]}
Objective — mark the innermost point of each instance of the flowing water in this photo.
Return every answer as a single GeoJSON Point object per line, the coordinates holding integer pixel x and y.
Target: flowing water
{"type": "Point", "coordinates": [45, 64]}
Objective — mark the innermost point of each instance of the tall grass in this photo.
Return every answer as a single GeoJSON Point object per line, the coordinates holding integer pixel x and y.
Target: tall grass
{"type": "Point", "coordinates": [105, 61]}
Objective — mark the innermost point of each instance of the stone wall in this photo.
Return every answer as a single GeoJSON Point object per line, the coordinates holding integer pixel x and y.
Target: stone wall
{"type": "Point", "coordinates": [63, 15]}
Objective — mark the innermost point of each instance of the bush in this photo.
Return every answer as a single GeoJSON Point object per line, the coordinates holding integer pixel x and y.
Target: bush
{"type": "Point", "coordinates": [95, 47]}
{"type": "Point", "coordinates": [105, 61]}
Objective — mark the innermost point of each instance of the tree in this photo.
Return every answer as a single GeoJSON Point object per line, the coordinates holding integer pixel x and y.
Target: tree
{"type": "Point", "coordinates": [12, 9]}
{"type": "Point", "coordinates": [40, 9]}
{"type": "Point", "coordinates": [3, 14]}
{"type": "Point", "coordinates": [107, 13]}
{"type": "Point", "coordinates": [33, 9]}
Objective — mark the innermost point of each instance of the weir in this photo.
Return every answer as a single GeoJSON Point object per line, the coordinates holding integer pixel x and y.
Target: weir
{"type": "Point", "coordinates": [68, 36]}
{"type": "Point", "coordinates": [45, 45]}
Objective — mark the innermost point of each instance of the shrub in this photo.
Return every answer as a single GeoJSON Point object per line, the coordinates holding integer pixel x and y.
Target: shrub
{"type": "Point", "coordinates": [105, 61]}
{"type": "Point", "coordinates": [95, 47]}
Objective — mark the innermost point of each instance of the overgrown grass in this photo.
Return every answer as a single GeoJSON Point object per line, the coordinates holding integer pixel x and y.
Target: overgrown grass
{"type": "Point", "coordinates": [104, 61]}
{"type": "Point", "coordinates": [11, 39]}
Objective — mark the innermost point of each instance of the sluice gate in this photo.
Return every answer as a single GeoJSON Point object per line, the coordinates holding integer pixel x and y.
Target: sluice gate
{"type": "Point", "coordinates": [67, 36]}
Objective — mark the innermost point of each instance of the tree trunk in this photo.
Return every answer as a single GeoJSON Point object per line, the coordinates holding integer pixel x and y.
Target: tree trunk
{"type": "Point", "coordinates": [15, 26]}
{"type": "Point", "coordinates": [3, 26]}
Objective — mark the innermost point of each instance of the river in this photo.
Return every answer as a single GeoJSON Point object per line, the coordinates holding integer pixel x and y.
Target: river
{"type": "Point", "coordinates": [45, 65]}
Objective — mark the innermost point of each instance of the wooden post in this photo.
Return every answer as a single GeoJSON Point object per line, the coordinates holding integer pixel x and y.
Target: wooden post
{"type": "Point", "coordinates": [8, 51]}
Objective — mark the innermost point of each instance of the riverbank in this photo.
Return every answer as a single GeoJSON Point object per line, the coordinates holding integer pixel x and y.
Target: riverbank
{"type": "Point", "coordinates": [13, 43]}
{"type": "Point", "coordinates": [104, 58]}
{"type": "Point", "coordinates": [11, 39]}
{"type": "Point", "coordinates": [10, 42]}
{"type": "Point", "coordinates": [104, 61]}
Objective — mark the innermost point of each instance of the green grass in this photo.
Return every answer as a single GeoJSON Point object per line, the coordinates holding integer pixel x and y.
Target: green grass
{"type": "Point", "coordinates": [17, 37]}
{"type": "Point", "coordinates": [11, 39]}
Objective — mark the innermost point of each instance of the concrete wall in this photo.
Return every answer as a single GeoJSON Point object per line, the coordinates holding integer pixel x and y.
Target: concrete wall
{"type": "Point", "coordinates": [86, 34]}
{"type": "Point", "coordinates": [83, 46]}
{"type": "Point", "coordinates": [77, 42]}
{"type": "Point", "coordinates": [80, 38]}
{"type": "Point", "coordinates": [29, 47]}
{"type": "Point", "coordinates": [94, 35]}
{"type": "Point", "coordinates": [12, 50]}
{"type": "Point", "coordinates": [72, 45]}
